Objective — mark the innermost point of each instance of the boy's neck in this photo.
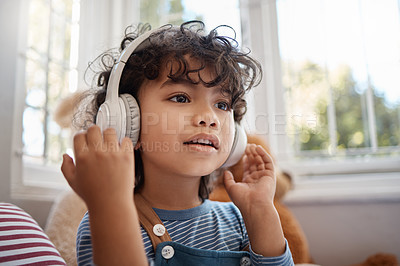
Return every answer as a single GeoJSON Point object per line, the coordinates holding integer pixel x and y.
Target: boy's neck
{"type": "Point", "coordinates": [172, 192]}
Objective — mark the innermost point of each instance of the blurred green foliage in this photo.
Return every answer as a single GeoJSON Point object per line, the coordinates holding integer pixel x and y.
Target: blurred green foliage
{"type": "Point", "coordinates": [309, 88]}
{"type": "Point", "coordinates": [161, 12]}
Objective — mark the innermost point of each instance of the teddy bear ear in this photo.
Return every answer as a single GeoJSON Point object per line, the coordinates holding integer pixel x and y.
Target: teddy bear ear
{"type": "Point", "coordinates": [64, 112]}
{"type": "Point", "coordinates": [283, 184]}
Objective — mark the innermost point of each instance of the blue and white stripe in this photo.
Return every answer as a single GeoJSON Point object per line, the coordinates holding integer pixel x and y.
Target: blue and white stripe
{"type": "Point", "coordinates": [211, 226]}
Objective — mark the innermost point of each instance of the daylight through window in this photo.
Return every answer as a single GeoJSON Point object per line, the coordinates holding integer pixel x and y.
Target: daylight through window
{"type": "Point", "coordinates": [50, 74]}
{"type": "Point", "coordinates": [341, 65]}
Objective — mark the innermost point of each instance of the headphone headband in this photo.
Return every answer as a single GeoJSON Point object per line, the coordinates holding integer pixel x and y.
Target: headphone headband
{"type": "Point", "coordinates": [136, 45]}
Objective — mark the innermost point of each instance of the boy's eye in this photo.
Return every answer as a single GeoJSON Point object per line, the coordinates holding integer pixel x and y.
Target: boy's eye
{"type": "Point", "coordinates": [180, 99]}
{"type": "Point", "coordinates": [222, 105]}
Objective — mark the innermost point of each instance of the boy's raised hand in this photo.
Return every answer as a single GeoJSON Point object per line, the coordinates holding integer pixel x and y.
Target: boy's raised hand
{"type": "Point", "coordinates": [103, 176]}
{"type": "Point", "coordinates": [254, 197]}
{"type": "Point", "coordinates": [257, 187]}
{"type": "Point", "coordinates": [104, 169]}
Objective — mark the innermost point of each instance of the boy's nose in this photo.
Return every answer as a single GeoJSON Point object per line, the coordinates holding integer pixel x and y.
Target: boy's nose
{"type": "Point", "coordinates": [206, 118]}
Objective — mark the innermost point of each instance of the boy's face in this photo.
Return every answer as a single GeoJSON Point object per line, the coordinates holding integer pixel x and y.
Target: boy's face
{"type": "Point", "coordinates": [186, 129]}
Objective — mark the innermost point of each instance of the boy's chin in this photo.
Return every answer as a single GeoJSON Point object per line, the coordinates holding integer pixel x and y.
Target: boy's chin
{"type": "Point", "coordinates": [205, 170]}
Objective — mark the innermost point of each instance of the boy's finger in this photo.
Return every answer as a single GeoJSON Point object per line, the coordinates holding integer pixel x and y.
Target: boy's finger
{"type": "Point", "coordinates": [260, 162]}
{"type": "Point", "coordinates": [267, 159]}
{"type": "Point", "coordinates": [263, 153]}
{"type": "Point", "coordinates": [252, 161]}
{"type": "Point", "coordinates": [94, 137]}
{"type": "Point", "coordinates": [68, 168]}
{"type": "Point", "coordinates": [127, 145]}
{"type": "Point", "coordinates": [110, 139]}
{"type": "Point", "coordinates": [245, 162]}
{"type": "Point", "coordinates": [248, 149]}
{"type": "Point", "coordinates": [80, 143]}
{"type": "Point", "coordinates": [254, 149]}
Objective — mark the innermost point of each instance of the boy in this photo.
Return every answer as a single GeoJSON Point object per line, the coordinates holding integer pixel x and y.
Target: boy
{"type": "Point", "coordinates": [190, 88]}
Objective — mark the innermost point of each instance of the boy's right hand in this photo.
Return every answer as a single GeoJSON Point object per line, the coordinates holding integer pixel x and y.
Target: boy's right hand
{"type": "Point", "coordinates": [103, 175]}
{"type": "Point", "coordinates": [104, 169]}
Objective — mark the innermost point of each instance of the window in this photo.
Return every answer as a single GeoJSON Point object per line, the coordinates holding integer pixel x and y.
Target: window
{"type": "Point", "coordinates": [339, 82]}
{"type": "Point", "coordinates": [52, 32]}
{"type": "Point", "coordinates": [50, 74]}
{"type": "Point", "coordinates": [158, 12]}
{"type": "Point", "coordinates": [340, 67]}
{"type": "Point", "coordinates": [338, 71]}
{"type": "Point", "coordinates": [46, 72]}
{"type": "Point", "coordinates": [329, 100]}
{"type": "Point", "coordinates": [52, 57]}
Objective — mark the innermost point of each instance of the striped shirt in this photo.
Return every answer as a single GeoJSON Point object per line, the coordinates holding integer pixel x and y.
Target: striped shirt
{"type": "Point", "coordinates": [22, 241]}
{"type": "Point", "coordinates": [211, 226]}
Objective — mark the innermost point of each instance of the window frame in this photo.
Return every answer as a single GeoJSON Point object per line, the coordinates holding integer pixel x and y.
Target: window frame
{"type": "Point", "coordinates": [260, 34]}
{"type": "Point", "coordinates": [31, 181]}
{"type": "Point", "coordinates": [28, 181]}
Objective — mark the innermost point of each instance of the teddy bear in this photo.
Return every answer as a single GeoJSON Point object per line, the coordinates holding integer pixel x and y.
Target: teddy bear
{"type": "Point", "coordinates": [379, 259]}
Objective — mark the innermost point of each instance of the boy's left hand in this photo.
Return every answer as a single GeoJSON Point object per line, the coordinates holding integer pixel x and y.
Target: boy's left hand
{"type": "Point", "coordinates": [254, 197]}
{"type": "Point", "coordinates": [257, 188]}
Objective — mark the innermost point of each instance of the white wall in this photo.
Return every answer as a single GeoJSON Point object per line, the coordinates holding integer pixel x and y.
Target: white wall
{"type": "Point", "coordinates": [345, 233]}
{"type": "Point", "coordinates": [347, 218]}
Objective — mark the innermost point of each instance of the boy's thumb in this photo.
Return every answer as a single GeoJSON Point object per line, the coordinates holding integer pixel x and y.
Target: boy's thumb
{"type": "Point", "coordinates": [228, 179]}
{"type": "Point", "coordinates": [68, 168]}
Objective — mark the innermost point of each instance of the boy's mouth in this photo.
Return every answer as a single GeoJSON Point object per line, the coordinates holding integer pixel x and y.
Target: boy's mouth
{"type": "Point", "coordinates": [204, 140]}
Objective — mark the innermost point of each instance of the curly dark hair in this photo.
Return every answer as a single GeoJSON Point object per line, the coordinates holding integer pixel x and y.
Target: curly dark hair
{"type": "Point", "coordinates": [235, 72]}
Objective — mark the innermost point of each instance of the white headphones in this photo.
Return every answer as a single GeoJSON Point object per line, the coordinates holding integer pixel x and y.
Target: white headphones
{"type": "Point", "coordinates": [122, 112]}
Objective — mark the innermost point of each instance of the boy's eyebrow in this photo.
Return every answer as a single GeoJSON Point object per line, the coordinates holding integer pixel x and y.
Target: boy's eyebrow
{"type": "Point", "coordinates": [169, 82]}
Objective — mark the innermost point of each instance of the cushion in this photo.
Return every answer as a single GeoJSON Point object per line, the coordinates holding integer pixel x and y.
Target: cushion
{"type": "Point", "coordinates": [22, 241]}
{"type": "Point", "coordinates": [62, 224]}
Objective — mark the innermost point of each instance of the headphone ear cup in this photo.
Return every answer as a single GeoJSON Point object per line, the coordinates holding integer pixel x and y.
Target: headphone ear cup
{"type": "Point", "coordinates": [238, 147]}
{"type": "Point", "coordinates": [102, 116]}
{"type": "Point", "coordinates": [132, 117]}
{"type": "Point", "coordinates": [107, 116]}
